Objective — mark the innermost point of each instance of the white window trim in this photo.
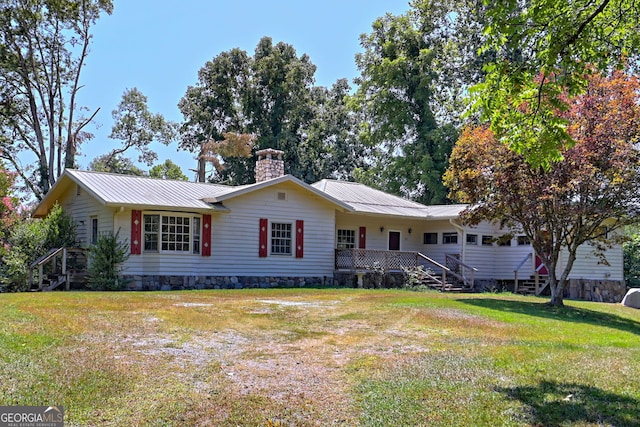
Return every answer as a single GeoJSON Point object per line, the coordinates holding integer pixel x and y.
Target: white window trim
{"type": "Point", "coordinates": [356, 236]}
{"type": "Point", "coordinates": [172, 214]}
{"type": "Point", "coordinates": [293, 238]}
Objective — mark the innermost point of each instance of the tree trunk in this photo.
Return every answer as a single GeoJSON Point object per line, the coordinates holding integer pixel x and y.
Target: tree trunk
{"type": "Point", "coordinates": [202, 166]}
{"type": "Point", "coordinates": [557, 297]}
{"type": "Point", "coordinates": [556, 286]}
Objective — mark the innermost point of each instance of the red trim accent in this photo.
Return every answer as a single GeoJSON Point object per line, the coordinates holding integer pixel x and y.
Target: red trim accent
{"type": "Point", "coordinates": [362, 242]}
{"type": "Point", "coordinates": [136, 232]}
{"type": "Point", "coordinates": [540, 268]}
{"type": "Point", "coordinates": [299, 238]}
{"type": "Point", "coordinates": [206, 235]}
{"type": "Point", "coordinates": [263, 240]}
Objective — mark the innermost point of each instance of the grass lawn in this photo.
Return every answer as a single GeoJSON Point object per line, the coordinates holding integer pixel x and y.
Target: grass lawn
{"type": "Point", "coordinates": [310, 357]}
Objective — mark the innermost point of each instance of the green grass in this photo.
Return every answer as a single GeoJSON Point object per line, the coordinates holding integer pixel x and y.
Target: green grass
{"type": "Point", "coordinates": [308, 357]}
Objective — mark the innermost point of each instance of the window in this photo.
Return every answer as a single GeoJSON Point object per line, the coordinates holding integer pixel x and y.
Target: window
{"type": "Point", "coordinates": [171, 233]}
{"type": "Point", "coordinates": [280, 238]}
{"type": "Point", "coordinates": [196, 235]}
{"type": "Point", "coordinates": [523, 241]}
{"type": "Point", "coordinates": [346, 239]}
{"type": "Point", "coordinates": [94, 230]}
{"type": "Point", "coordinates": [504, 240]}
{"type": "Point", "coordinates": [430, 238]}
{"type": "Point", "coordinates": [487, 240]}
{"type": "Point", "coordinates": [151, 228]}
{"type": "Point", "coordinates": [472, 239]}
{"type": "Point", "coordinates": [449, 238]}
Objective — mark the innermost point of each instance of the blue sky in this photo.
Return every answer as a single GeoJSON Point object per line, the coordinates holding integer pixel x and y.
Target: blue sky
{"type": "Point", "coordinates": [159, 46]}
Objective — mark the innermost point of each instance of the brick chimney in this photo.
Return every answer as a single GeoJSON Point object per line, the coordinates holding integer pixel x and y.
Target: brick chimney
{"type": "Point", "coordinates": [269, 165]}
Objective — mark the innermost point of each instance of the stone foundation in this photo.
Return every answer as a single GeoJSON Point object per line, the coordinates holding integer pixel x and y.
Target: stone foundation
{"type": "Point", "coordinates": [596, 290]}
{"type": "Point", "coordinates": [175, 283]}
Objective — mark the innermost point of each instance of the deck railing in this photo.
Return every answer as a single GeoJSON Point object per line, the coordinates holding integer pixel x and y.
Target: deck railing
{"type": "Point", "coordinates": [369, 259]}
{"type": "Point", "coordinates": [363, 260]}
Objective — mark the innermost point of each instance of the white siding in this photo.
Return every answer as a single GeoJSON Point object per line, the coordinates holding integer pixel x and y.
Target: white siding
{"type": "Point", "coordinates": [82, 207]}
{"type": "Point", "coordinates": [235, 239]}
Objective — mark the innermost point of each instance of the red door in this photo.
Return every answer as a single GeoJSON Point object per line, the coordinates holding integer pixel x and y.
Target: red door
{"type": "Point", "coordinates": [394, 240]}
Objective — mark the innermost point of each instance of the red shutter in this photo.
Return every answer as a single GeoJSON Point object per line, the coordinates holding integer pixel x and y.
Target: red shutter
{"type": "Point", "coordinates": [299, 238]}
{"type": "Point", "coordinates": [363, 238]}
{"type": "Point", "coordinates": [136, 232]}
{"type": "Point", "coordinates": [206, 235]}
{"type": "Point", "coordinates": [262, 250]}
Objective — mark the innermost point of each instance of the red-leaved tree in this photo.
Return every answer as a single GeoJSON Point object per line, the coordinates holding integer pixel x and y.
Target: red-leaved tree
{"type": "Point", "coordinates": [8, 205]}
{"type": "Point", "coordinates": [584, 198]}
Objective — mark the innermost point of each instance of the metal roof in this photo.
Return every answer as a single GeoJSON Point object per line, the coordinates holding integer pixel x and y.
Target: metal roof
{"type": "Point", "coordinates": [136, 191]}
{"type": "Point", "coordinates": [368, 200]}
{"type": "Point", "coordinates": [152, 193]}
{"type": "Point", "coordinates": [115, 189]}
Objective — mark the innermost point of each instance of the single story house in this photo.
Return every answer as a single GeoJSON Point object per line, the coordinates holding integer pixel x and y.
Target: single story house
{"type": "Point", "coordinates": [282, 231]}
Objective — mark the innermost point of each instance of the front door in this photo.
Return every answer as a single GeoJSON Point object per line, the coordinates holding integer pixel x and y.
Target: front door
{"type": "Point", "coordinates": [394, 240]}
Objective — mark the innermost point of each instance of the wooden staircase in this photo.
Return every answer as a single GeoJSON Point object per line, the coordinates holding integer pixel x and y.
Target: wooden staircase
{"type": "Point", "coordinates": [532, 285]}
{"type": "Point", "coordinates": [452, 277]}
{"type": "Point", "coordinates": [60, 266]}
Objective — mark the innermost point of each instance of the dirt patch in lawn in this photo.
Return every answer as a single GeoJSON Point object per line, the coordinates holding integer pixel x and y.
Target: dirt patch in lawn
{"type": "Point", "coordinates": [297, 356]}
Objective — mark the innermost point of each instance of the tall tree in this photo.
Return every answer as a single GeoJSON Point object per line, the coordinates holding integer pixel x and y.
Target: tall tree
{"type": "Point", "coordinates": [279, 100]}
{"type": "Point", "coordinates": [270, 95]}
{"type": "Point", "coordinates": [544, 50]}
{"type": "Point", "coordinates": [43, 47]}
{"type": "Point", "coordinates": [137, 128]}
{"type": "Point", "coordinates": [331, 148]}
{"type": "Point", "coordinates": [585, 198]}
{"type": "Point", "coordinates": [167, 170]}
{"type": "Point", "coordinates": [395, 96]}
{"type": "Point", "coordinates": [118, 164]}
{"type": "Point", "coordinates": [215, 104]}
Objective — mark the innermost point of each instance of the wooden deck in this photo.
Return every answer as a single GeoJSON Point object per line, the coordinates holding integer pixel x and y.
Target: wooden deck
{"type": "Point", "coordinates": [456, 275]}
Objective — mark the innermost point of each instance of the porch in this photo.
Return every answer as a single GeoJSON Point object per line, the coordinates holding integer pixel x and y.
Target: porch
{"type": "Point", "coordinates": [454, 276]}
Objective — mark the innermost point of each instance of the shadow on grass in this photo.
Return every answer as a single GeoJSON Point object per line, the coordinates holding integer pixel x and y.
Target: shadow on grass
{"type": "Point", "coordinates": [553, 404]}
{"type": "Point", "coordinates": [567, 314]}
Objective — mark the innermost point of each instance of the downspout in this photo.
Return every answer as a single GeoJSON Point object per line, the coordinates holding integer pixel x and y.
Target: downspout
{"type": "Point", "coordinates": [115, 214]}
{"type": "Point", "coordinates": [462, 239]}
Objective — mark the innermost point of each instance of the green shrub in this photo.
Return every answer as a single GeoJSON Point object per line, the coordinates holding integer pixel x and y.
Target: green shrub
{"type": "Point", "coordinates": [105, 262]}
{"type": "Point", "coordinates": [30, 239]}
{"type": "Point", "coordinates": [631, 250]}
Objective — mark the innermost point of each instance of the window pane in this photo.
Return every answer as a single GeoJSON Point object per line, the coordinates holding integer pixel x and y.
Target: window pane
{"type": "Point", "coordinates": [281, 238]}
{"type": "Point", "coordinates": [196, 235]}
{"type": "Point", "coordinates": [346, 239]}
{"type": "Point", "coordinates": [430, 238]}
{"type": "Point", "coordinates": [150, 226]}
{"type": "Point", "coordinates": [450, 238]}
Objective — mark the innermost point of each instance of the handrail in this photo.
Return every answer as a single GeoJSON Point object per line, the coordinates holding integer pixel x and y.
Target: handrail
{"type": "Point", "coordinates": [434, 262]}
{"type": "Point", "coordinates": [46, 257]}
{"type": "Point", "coordinates": [529, 255]}
{"type": "Point", "coordinates": [515, 272]}
{"type": "Point", "coordinates": [461, 263]}
{"type": "Point", "coordinates": [461, 276]}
